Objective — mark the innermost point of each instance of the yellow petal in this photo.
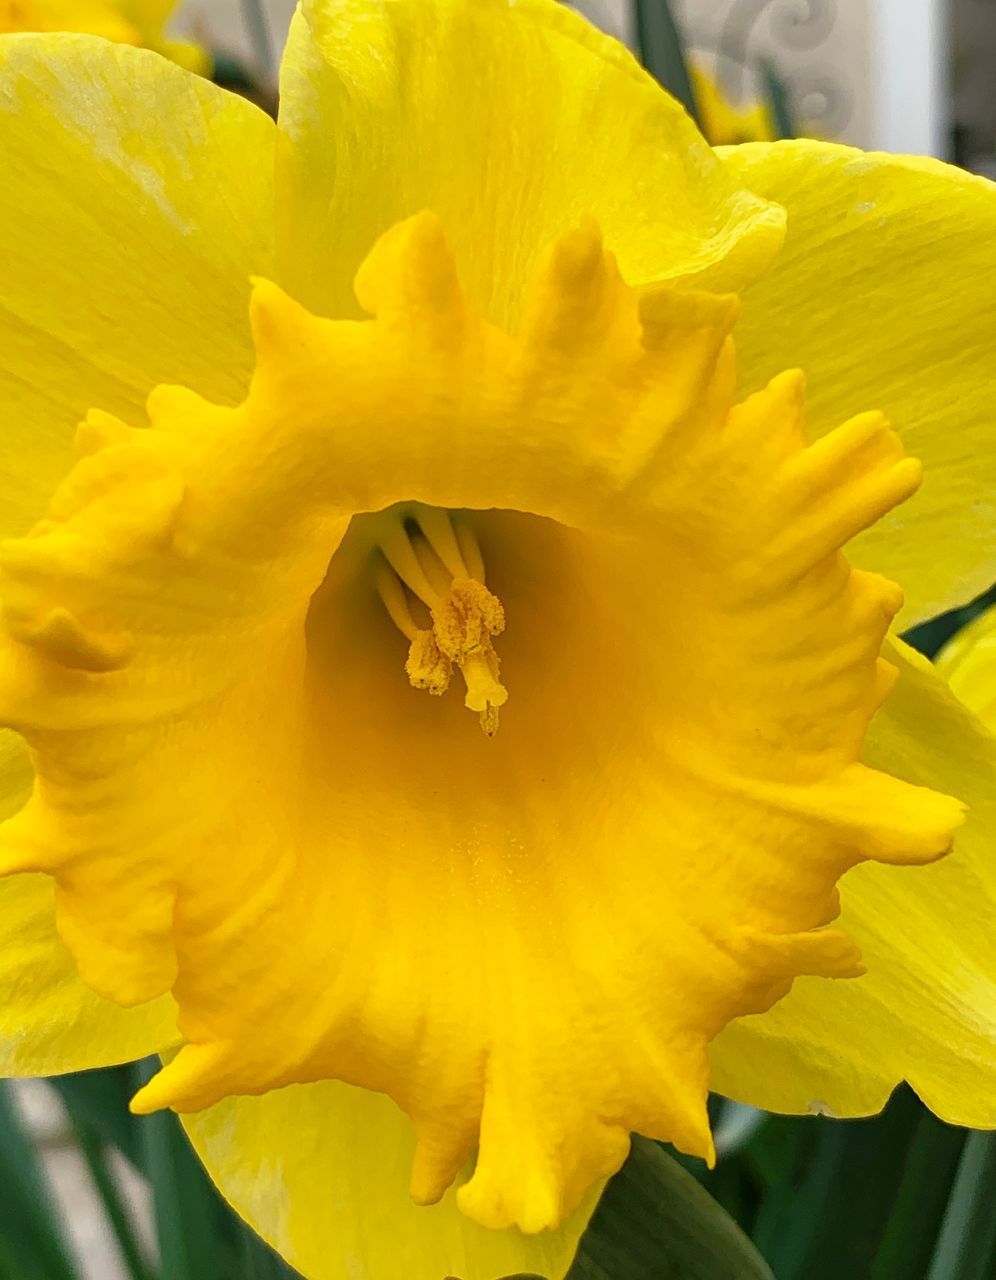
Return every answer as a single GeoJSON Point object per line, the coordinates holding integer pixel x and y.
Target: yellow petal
{"type": "Point", "coordinates": [49, 1021]}
{"type": "Point", "coordinates": [525, 939]}
{"type": "Point", "coordinates": [510, 123]}
{"type": "Point", "coordinates": [88, 316]}
{"type": "Point", "coordinates": [925, 1011]}
{"type": "Point", "coordinates": [968, 663]}
{"type": "Point", "coordinates": [124, 264]}
{"type": "Point", "coordinates": [883, 294]}
{"type": "Point", "coordinates": [322, 1172]}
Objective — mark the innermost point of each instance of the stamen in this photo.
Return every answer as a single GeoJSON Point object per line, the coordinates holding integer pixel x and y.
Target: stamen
{"type": "Point", "coordinates": [400, 555]}
{"type": "Point", "coordinates": [432, 566]}
{"type": "Point", "coordinates": [392, 593]}
{"type": "Point", "coordinates": [438, 529]}
{"type": "Point", "coordinates": [426, 667]}
{"type": "Point", "coordinates": [470, 551]}
{"type": "Point", "coordinates": [436, 562]}
{"type": "Point", "coordinates": [467, 618]}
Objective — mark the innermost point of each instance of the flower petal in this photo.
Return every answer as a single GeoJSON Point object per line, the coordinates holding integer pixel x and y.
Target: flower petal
{"type": "Point", "coordinates": [135, 203]}
{"type": "Point", "coordinates": [968, 663]}
{"type": "Point", "coordinates": [321, 1171]}
{"type": "Point", "coordinates": [93, 137]}
{"type": "Point", "coordinates": [926, 1009]}
{"type": "Point", "coordinates": [49, 1021]}
{"type": "Point", "coordinates": [883, 295]}
{"type": "Point", "coordinates": [509, 123]}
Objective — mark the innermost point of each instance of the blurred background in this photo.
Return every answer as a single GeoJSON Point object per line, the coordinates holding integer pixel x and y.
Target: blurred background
{"type": "Point", "coordinates": [900, 75]}
{"type": "Point", "coordinates": [92, 1193]}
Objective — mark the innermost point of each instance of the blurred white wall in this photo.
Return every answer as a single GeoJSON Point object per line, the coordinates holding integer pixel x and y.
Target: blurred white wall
{"type": "Point", "coordinates": [222, 25]}
{"type": "Point", "coordinates": [910, 106]}
{"type": "Point", "coordinates": [821, 48]}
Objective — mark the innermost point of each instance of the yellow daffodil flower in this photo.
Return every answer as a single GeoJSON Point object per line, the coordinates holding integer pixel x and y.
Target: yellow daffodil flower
{"type": "Point", "coordinates": [441, 712]}
{"type": "Point", "coordinates": [152, 17]}
{"type": "Point", "coordinates": [722, 122]}
{"type": "Point", "coordinates": [138, 22]}
{"type": "Point", "coordinates": [92, 17]}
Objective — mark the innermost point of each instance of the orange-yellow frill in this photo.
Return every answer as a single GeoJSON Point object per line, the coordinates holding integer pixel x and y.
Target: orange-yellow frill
{"type": "Point", "coordinates": [526, 940]}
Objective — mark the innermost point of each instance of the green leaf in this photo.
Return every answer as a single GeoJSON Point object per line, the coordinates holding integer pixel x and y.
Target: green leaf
{"type": "Point", "coordinates": [199, 1236]}
{"type": "Point", "coordinates": [229, 73]}
{"type": "Point", "coordinates": [662, 51]}
{"type": "Point", "coordinates": [966, 1247]}
{"type": "Point", "coordinates": [33, 1243]}
{"type": "Point", "coordinates": [99, 1101]}
{"type": "Point", "coordinates": [259, 1262]}
{"type": "Point", "coordinates": [735, 1126]}
{"type": "Point", "coordinates": [814, 1224]}
{"type": "Point", "coordinates": [259, 34]}
{"type": "Point", "coordinates": [931, 636]}
{"type": "Point", "coordinates": [190, 1215]}
{"type": "Point", "coordinates": [94, 1152]}
{"type": "Point", "coordinates": [655, 1222]}
{"type": "Point", "coordinates": [911, 1232]}
{"type": "Point", "coordinates": [778, 102]}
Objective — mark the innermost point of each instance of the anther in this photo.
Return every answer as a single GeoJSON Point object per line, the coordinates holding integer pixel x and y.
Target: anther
{"type": "Point", "coordinates": [428, 563]}
{"type": "Point", "coordinates": [427, 668]}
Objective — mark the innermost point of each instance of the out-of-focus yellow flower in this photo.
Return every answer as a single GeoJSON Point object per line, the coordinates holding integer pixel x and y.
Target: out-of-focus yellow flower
{"type": "Point", "coordinates": [151, 17]}
{"type": "Point", "coordinates": [92, 17]}
{"type": "Point", "coordinates": [722, 122]}
{"type": "Point", "coordinates": [475, 452]}
{"type": "Point", "coordinates": [137, 22]}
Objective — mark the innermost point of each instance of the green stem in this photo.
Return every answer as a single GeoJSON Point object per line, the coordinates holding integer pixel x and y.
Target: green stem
{"type": "Point", "coordinates": [33, 1240]}
{"type": "Point", "coordinates": [259, 34]}
{"type": "Point", "coordinates": [662, 52]}
{"type": "Point", "coordinates": [929, 1170]}
{"type": "Point", "coordinates": [778, 101]}
{"type": "Point", "coordinates": [967, 1239]}
{"type": "Point", "coordinates": [95, 1155]}
{"type": "Point", "coordinates": [188, 1211]}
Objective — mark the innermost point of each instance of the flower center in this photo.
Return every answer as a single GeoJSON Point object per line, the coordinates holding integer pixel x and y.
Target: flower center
{"type": "Point", "coordinates": [431, 561]}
